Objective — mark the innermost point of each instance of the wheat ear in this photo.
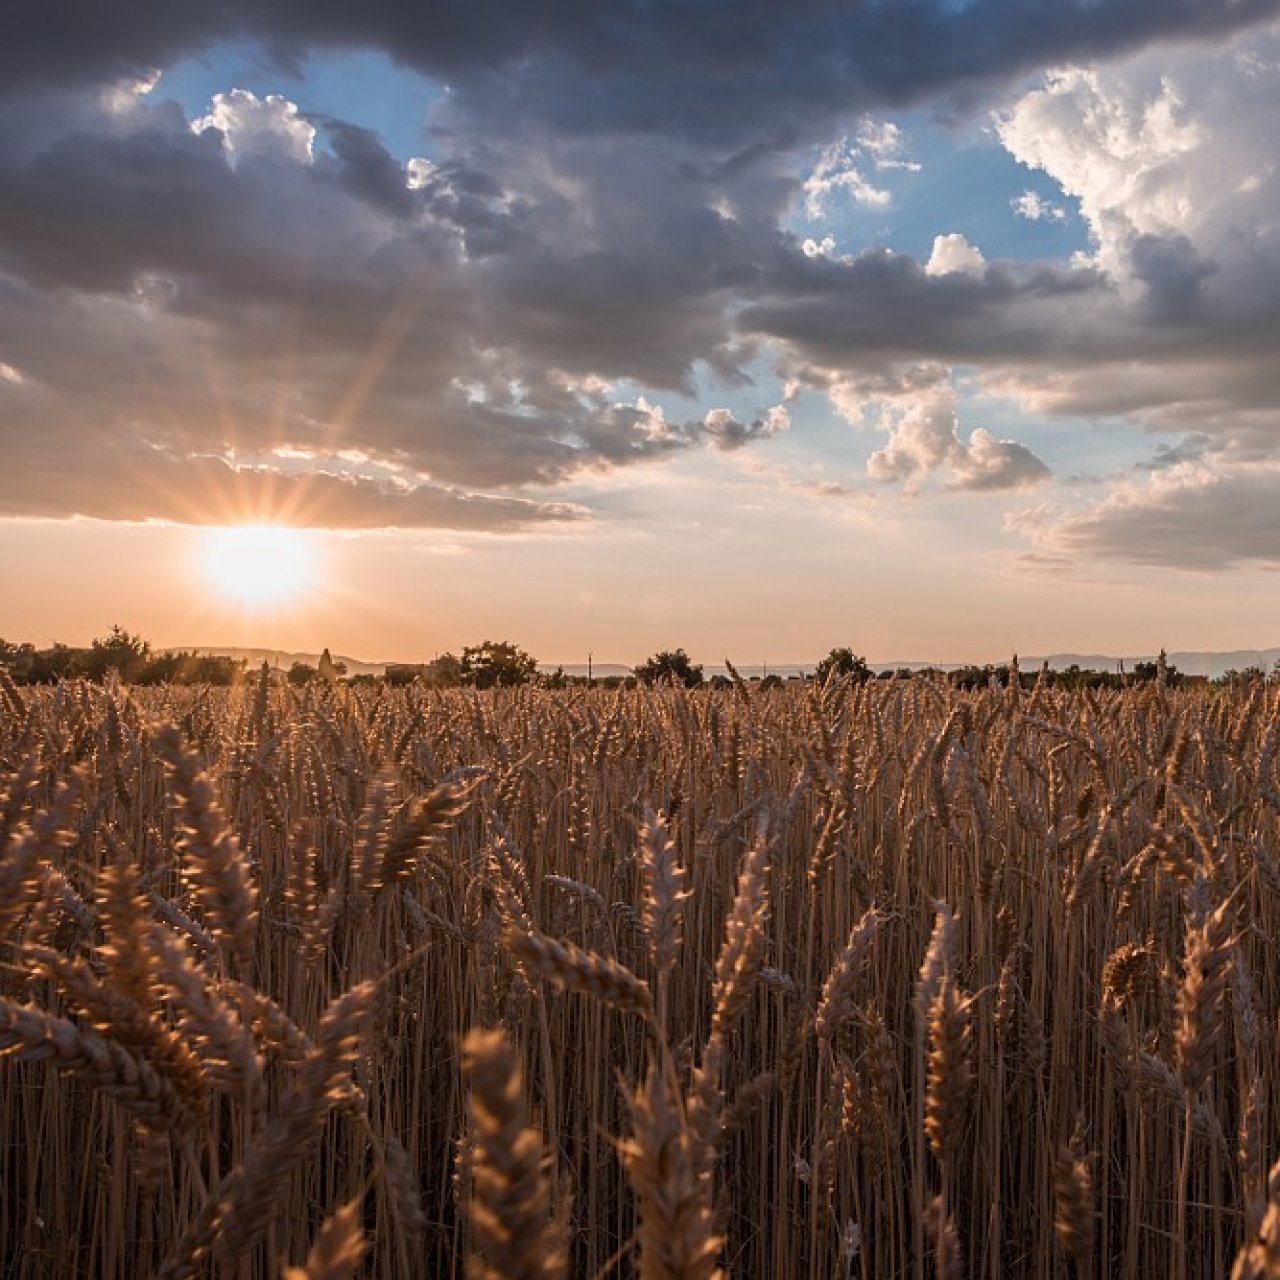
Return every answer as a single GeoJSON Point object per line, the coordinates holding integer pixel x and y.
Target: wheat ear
{"type": "Point", "coordinates": [661, 1159]}
{"type": "Point", "coordinates": [338, 1249]}
{"type": "Point", "coordinates": [213, 864]}
{"type": "Point", "coordinates": [514, 1234]}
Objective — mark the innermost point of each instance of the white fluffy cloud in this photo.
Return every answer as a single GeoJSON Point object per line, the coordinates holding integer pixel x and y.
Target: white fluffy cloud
{"type": "Point", "coordinates": [953, 254]}
{"type": "Point", "coordinates": [924, 439]}
{"type": "Point", "coordinates": [1163, 152]}
{"type": "Point", "coordinates": [251, 127]}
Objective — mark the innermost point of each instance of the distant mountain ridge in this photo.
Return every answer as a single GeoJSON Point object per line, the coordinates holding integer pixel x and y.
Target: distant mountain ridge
{"type": "Point", "coordinates": [283, 659]}
{"type": "Point", "coordinates": [1203, 662]}
{"type": "Point", "coordinates": [1192, 662]}
{"type": "Point", "coordinates": [1211, 663]}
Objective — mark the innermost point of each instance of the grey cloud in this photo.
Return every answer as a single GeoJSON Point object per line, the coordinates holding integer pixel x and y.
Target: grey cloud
{"type": "Point", "coordinates": [884, 307]}
{"type": "Point", "coordinates": [1192, 449]}
{"type": "Point", "coordinates": [1173, 273]}
{"type": "Point", "coordinates": [366, 169]}
{"type": "Point", "coordinates": [1218, 381]}
{"type": "Point", "coordinates": [135, 483]}
{"type": "Point", "coordinates": [676, 65]}
{"type": "Point", "coordinates": [1193, 517]}
{"type": "Point", "coordinates": [728, 433]}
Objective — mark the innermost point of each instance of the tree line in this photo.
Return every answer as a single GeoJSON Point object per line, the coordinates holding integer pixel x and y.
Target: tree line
{"type": "Point", "coordinates": [503, 664]}
{"type": "Point", "coordinates": [119, 652]}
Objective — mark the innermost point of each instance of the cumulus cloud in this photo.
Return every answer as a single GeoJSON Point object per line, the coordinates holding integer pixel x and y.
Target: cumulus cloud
{"type": "Point", "coordinates": [1154, 150]}
{"type": "Point", "coordinates": [824, 248]}
{"type": "Point", "coordinates": [924, 439]}
{"type": "Point", "coordinates": [314, 298]}
{"type": "Point", "coordinates": [258, 127]}
{"type": "Point", "coordinates": [989, 464]}
{"type": "Point", "coordinates": [1182, 200]}
{"type": "Point", "coordinates": [953, 254]}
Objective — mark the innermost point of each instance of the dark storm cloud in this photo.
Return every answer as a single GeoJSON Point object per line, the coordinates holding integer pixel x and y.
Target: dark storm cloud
{"type": "Point", "coordinates": [1173, 274]}
{"type": "Point", "coordinates": [716, 66]}
{"type": "Point", "coordinates": [366, 169]}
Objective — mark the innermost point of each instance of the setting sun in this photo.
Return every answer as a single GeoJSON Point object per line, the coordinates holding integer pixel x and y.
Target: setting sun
{"type": "Point", "coordinates": [259, 566]}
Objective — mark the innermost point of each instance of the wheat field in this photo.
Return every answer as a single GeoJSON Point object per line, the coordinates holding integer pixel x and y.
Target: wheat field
{"type": "Point", "coordinates": [863, 980]}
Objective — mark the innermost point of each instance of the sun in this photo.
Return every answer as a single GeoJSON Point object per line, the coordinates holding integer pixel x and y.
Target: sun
{"type": "Point", "coordinates": [259, 567]}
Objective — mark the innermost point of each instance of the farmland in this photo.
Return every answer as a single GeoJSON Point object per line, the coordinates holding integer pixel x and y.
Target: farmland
{"type": "Point", "coordinates": [882, 979]}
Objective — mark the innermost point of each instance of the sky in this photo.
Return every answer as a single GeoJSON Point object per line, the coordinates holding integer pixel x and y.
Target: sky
{"type": "Point", "coordinates": [941, 329]}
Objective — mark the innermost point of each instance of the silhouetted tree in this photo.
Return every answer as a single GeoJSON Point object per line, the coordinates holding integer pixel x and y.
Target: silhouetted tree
{"type": "Point", "coordinates": [191, 668]}
{"type": "Point", "coordinates": [495, 663]}
{"type": "Point", "coordinates": [18, 660]}
{"type": "Point", "coordinates": [119, 651]}
{"type": "Point", "coordinates": [670, 664]}
{"type": "Point", "coordinates": [301, 674]}
{"type": "Point", "coordinates": [840, 663]}
{"type": "Point", "coordinates": [444, 672]}
{"type": "Point", "coordinates": [56, 663]}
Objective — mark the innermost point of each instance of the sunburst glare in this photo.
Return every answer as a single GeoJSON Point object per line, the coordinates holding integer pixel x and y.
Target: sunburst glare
{"type": "Point", "coordinates": [260, 567]}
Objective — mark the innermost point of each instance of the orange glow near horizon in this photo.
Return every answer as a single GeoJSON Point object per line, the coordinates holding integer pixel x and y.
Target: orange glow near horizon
{"type": "Point", "coordinates": [259, 568]}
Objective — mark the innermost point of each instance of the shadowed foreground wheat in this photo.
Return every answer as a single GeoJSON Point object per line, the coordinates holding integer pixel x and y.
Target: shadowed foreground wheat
{"type": "Point", "coordinates": [863, 980]}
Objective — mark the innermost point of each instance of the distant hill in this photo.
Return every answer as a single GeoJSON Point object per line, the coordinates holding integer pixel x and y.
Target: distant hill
{"type": "Point", "coordinates": [1193, 662]}
{"type": "Point", "coordinates": [283, 659]}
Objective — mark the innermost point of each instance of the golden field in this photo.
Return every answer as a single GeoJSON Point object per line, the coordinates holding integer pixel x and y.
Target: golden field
{"type": "Point", "coordinates": [864, 980]}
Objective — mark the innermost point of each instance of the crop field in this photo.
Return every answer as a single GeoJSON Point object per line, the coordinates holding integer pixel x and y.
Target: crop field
{"type": "Point", "coordinates": [854, 980]}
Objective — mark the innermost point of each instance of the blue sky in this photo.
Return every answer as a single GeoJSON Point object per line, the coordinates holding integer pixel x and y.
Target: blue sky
{"type": "Point", "coordinates": [932, 337]}
{"type": "Point", "coordinates": [967, 182]}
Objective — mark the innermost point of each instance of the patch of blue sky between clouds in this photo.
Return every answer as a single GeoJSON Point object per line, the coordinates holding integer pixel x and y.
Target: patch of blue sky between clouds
{"type": "Point", "coordinates": [961, 180]}
{"type": "Point", "coordinates": [361, 87]}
